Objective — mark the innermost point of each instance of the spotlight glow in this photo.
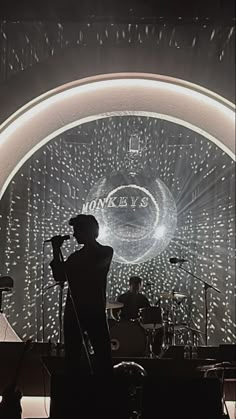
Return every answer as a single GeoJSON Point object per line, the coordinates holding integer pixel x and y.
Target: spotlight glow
{"type": "Point", "coordinates": [160, 232]}
{"type": "Point", "coordinates": [131, 209]}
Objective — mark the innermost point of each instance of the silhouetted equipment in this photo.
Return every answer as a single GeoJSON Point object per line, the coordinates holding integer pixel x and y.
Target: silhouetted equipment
{"type": "Point", "coordinates": [151, 320]}
{"type": "Point", "coordinates": [134, 374]}
{"type": "Point", "coordinates": [10, 406]}
{"type": "Point", "coordinates": [7, 334]}
{"type": "Point", "coordinates": [34, 379]}
{"type": "Point", "coordinates": [113, 305]}
{"type": "Point", "coordinates": [227, 352]}
{"type": "Point", "coordinates": [172, 387]}
{"type": "Point", "coordinates": [151, 317]}
{"type": "Point", "coordinates": [84, 396]}
{"type": "Point", "coordinates": [66, 237]}
{"type": "Point", "coordinates": [176, 352]}
{"type": "Point", "coordinates": [185, 398]}
{"type": "Point", "coordinates": [6, 284]}
{"type": "Point", "coordinates": [177, 260]}
{"type": "Point", "coordinates": [207, 286]}
{"type": "Point", "coordinates": [157, 388]}
{"type": "Point", "coordinates": [155, 329]}
{"type": "Point", "coordinates": [127, 338]}
{"type": "Point", "coordinates": [173, 295]}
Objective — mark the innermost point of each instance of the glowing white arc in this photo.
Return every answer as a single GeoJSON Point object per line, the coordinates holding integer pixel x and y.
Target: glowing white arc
{"type": "Point", "coordinates": [92, 98]}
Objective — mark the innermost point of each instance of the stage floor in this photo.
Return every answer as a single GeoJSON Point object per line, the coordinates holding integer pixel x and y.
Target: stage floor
{"type": "Point", "coordinates": [40, 368]}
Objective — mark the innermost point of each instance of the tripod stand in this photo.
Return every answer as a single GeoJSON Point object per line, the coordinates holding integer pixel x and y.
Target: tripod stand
{"type": "Point", "coordinates": [206, 287]}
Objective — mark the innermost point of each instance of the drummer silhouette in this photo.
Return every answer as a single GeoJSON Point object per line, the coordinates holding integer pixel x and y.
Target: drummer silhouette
{"type": "Point", "coordinates": [85, 311]}
{"type": "Point", "coordinates": [133, 300]}
{"type": "Point", "coordinates": [140, 322]}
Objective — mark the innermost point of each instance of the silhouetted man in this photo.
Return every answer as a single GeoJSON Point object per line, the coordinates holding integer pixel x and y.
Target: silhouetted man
{"type": "Point", "coordinates": [86, 272]}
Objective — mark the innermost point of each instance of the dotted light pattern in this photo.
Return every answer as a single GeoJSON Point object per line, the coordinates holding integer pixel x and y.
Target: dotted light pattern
{"type": "Point", "coordinates": [24, 44]}
{"type": "Point", "coordinates": [140, 221]}
{"type": "Point", "coordinates": [53, 185]}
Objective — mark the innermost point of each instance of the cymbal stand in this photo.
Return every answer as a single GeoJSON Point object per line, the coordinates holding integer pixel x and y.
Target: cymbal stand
{"type": "Point", "coordinates": [1, 299]}
{"type": "Point", "coordinates": [166, 334]}
{"type": "Point", "coordinates": [150, 342]}
{"type": "Point", "coordinates": [206, 287]}
{"type": "Point", "coordinates": [59, 343]}
{"type": "Point", "coordinates": [60, 304]}
{"type": "Point", "coordinates": [173, 318]}
{"type": "Point", "coordinates": [169, 337]}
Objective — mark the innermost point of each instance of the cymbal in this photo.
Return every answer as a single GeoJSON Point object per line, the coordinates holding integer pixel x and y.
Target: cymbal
{"type": "Point", "coordinates": [113, 304]}
{"type": "Point", "coordinates": [195, 330]}
{"type": "Point", "coordinates": [180, 326]}
{"type": "Point", "coordinates": [172, 295]}
{"type": "Point", "coordinates": [185, 326]}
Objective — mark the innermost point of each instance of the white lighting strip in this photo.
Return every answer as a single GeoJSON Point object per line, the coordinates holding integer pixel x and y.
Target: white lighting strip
{"type": "Point", "coordinates": [92, 98]}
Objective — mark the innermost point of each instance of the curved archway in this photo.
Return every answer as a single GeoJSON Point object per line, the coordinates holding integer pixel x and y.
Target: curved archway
{"type": "Point", "coordinates": [113, 94]}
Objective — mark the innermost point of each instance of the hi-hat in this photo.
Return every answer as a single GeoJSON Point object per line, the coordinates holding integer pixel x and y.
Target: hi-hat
{"type": "Point", "coordinates": [172, 295]}
{"type": "Point", "coordinates": [113, 304]}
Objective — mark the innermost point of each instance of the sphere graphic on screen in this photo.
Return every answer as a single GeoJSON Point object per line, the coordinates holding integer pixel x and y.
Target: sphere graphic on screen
{"type": "Point", "coordinates": [136, 214]}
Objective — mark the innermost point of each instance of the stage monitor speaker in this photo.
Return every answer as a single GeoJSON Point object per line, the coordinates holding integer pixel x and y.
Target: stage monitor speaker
{"type": "Point", "coordinates": [182, 398]}
{"type": "Point", "coordinates": [207, 352]}
{"type": "Point", "coordinates": [227, 353]}
{"type": "Point", "coordinates": [82, 396]}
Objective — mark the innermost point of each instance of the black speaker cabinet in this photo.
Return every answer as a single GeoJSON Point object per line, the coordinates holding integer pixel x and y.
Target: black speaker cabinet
{"type": "Point", "coordinates": [227, 353]}
{"type": "Point", "coordinates": [182, 398]}
{"type": "Point", "coordinates": [85, 397]}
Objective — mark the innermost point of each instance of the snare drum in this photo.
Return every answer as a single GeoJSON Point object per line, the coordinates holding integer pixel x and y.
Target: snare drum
{"type": "Point", "coordinates": [151, 317]}
{"type": "Point", "coordinates": [127, 339]}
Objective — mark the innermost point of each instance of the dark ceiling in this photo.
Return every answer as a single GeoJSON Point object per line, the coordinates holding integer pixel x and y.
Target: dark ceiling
{"type": "Point", "coordinates": [220, 10]}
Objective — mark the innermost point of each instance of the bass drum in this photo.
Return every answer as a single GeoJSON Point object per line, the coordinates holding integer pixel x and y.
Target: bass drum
{"type": "Point", "coordinates": [127, 339]}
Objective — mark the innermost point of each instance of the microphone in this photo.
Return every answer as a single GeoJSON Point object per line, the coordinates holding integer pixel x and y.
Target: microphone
{"type": "Point", "coordinates": [177, 260]}
{"type": "Point", "coordinates": [66, 237]}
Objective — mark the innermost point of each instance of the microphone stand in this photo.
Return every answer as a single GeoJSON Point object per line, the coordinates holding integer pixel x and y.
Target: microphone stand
{"type": "Point", "coordinates": [206, 287]}
{"type": "Point", "coordinates": [61, 285]}
{"type": "Point", "coordinates": [61, 288]}
{"type": "Point", "coordinates": [76, 315]}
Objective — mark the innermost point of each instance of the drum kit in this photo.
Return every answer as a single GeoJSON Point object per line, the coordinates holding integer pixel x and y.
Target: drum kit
{"type": "Point", "coordinates": [154, 330]}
